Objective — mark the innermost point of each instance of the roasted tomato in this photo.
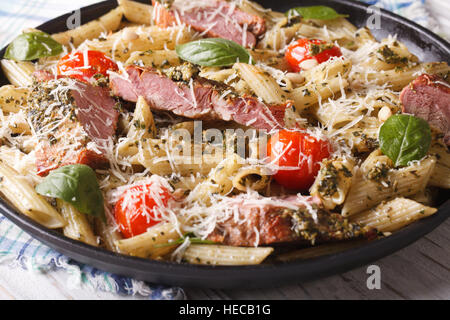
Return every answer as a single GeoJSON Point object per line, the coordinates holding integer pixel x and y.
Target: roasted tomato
{"type": "Point", "coordinates": [140, 207]}
{"type": "Point", "coordinates": [85, 65]}
{"type": "Point", "coordinates": [297, 156]}
{"type": "Point", "coordinates": [304, 54]}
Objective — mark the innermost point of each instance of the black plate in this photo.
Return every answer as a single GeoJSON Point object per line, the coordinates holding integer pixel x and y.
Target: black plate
{"type": "Point", "coordinates": [423, 43]}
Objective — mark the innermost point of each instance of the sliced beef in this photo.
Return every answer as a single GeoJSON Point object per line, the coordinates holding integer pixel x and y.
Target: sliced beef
{"type": "Point", "coordinates": [197, 99]}
{"type": "Point", "coordinates": [218, 19]}
{"type": "Point", "coordinates": [257, 224]}
{"type": "Point", "coordinates": [428, 97]}
{"type": "Point", "coordinates": [73, 122]}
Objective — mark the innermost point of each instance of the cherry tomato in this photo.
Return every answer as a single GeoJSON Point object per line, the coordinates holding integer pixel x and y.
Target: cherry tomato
{"type": "Point", "coordinates": [305, 49]}
{"type": "Point", "coordinates": [299, 151]}
{"type": "Point", "coordinates": [73, 65]}
{"type": "Point", "coordinates": [138, 208]}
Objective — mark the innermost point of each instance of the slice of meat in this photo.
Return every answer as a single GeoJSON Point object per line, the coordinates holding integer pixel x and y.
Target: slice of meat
{"type": "Point", "coordinates": [97, 111]}
{"type": "Point", "coordinates": [199, 99]}
{"type": "Point", "coordinates": [73, 122]}
{"type": "Point", "coordinates": [256, 224]}
{"type": "Point", "coordinates": [51, 156]}
{"type": "Point", "coordinates": [428, 97]}
{"type": "Point", "coordinates": [215, 18]}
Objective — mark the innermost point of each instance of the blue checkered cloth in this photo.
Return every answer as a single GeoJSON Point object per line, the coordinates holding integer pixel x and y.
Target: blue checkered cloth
{"type": "Point", "coordinates": [17, 248]}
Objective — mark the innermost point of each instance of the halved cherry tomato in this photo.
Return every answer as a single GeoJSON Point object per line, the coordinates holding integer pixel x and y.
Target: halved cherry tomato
{"type": "Point", "coordinates": [73, 65]}
{"type": "Point", "coordinates": [299, 151]}
{"type": "Point", "coordinates": [306, 49]}
{"type": "Point", "coordinates": [138, 208]}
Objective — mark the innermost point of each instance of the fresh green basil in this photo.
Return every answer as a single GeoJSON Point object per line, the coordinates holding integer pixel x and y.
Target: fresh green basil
{"type": "Point", "coordinates": [213, 52]}
{"type": "Point", "coordinates": [315, 12]}
{"type": "Point", "coordinates": [404, 138]}
{"type": "Point", "coordinates": [76, 184]}
{"type": "Point", "coordinates": [31, 46]}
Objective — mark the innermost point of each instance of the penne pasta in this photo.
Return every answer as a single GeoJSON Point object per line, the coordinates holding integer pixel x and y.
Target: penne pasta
{"type": "Point", "coordinates": [399, 78]}
{"type": "Point", "coordinates": [78, 226]}
{"type": "Point", "coordinates": [333, 182]}
{"type": "Point", "coordinates": [441, 174]}
{"type": "Point", "coordinates": [393, 215]}
{"type": "Point", "coordinates": [154, 58]}
{"type": "Point", "coordinates": [23, 196]}
{"type": "Point", "coordinates": [106, 23]}
{"type": "Point", "coordinates": [147, 245]}
{"type": "Point", "coordinates": [136, 12]}
{"type": "Point", "coordinates": [109, 235]}
{"type": "Point", "coordinates": [122, 44]}
{"type": "Point", "coordinates": [281, 145]}
{"type": "Point", "coordinates": [12, 99]}
{"type": "Point", "coordinates": [18, 73]}
{"type": "Point", "coordinates": [382, 184]}
{"type": "Point", "coordinates": [261, 83]}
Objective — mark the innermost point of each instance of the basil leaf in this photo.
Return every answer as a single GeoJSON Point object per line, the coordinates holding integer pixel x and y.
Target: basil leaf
{"type": "Point", "coordinates": [31, 46]}
{"type": "Point", "coordinates": [404, 138]}
{"type": "Point", "coordinates": [76, 184]}
{"type": "Point", "coordinates": [213, 52]}
{"type": "Point", "coordinates": [315, 12]}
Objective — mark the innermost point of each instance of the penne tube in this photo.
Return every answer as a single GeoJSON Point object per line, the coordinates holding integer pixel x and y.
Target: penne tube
{"type": "Point", "coordinates": [261, 83]}
{"type": "Point", "coordinates": [23, 196]}
{"type": "Point", "coordinates": [398, 78]}
{"type": "Point", "coordinates": [328, 70]}
{"type": "Point", "coordinates": [142, 125]}
{"type": "Point", "coordinates": [440, 177]}
{"type": "Point", "coordinates": [320, 250]}
{"type": "Point", "coordinates": [120, 47]}
{"type": "Point", "coordinates": [154, 58]}
{"type": "Point", "coordinates": [78, 226]}
{"type": "Point", "coordinates": [369, 190]}
{"type": "Point", "coordinates": [18, 72]}
{"type": "Point", "coordinates": [12, 99]}
{"type": "Point", "coordinates": [279, 36]}
{"type": "Point", "coordinates": [106, 23]}
{"type": "Point", "coordinates": [220, 180]}
{"type": "Point", "coordinates": [18, 123]}
{"type": "Point", "coordinates": [225, 255]}
{"type": "Point", "coordinates": [363, 35]}
{"type": "Point", "coordinates": [147, 245]}
{"type": "Point", "coordinates": [307, 96]}
{"type": "Point", "coordinates": [393, 215]}
{"type": "Point", "coordinates": [109, 236]}
{"type": "Point", "coordinates": [254, 178]}
{"type": "Point", "coordinates": [136, 12]}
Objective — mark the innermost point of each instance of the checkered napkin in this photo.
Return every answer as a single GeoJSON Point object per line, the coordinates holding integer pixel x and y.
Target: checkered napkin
{"type": "Point", "coordinates": [17, 248]}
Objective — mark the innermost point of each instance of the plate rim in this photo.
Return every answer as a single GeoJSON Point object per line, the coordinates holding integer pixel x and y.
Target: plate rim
{"type": "Point", "coordinates": [256, 276]}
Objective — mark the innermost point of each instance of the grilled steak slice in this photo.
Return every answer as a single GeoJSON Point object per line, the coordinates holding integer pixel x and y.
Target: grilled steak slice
{"type": "Point", "coordinates": [198, 99]}
{"type": "Point", "coordinates": [257, 224]}
{"type": "Point", "coordinates": [73, 122]}
{"type": "Point", "coordinates": [218, 19]}
{"type": "Point", "coordinates": [428, 97]}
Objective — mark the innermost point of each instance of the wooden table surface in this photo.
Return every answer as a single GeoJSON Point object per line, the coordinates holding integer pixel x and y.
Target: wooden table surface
{"type": "Point", "coordinates": [420, 271]}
